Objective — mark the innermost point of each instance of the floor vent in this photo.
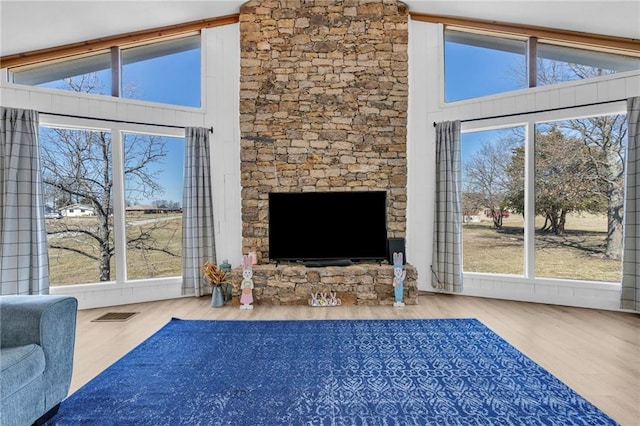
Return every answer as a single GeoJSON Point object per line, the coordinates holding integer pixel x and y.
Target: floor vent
{"type": "Point", "coordinates": [115, 316]}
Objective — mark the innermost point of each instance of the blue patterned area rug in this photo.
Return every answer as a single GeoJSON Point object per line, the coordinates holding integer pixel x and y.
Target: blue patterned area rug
{"type": "Point", "coordinates": [328, 372]}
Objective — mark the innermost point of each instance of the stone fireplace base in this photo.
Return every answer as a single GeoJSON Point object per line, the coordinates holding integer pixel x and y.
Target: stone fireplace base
{"type": "Point", "coordinates": [359, 284]}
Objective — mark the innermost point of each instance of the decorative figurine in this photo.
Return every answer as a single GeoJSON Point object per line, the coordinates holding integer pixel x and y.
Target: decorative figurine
{"type": "Point", "coordinates": [321, 299]}
{"type": "Point", "coordinates": [333, 299]}
{"type": "Point", "coordinates": [399, 274]}
{"type": "Point", "coordinates": [227, 287]}
{"type": "Point", "coordinates": [246, 286]}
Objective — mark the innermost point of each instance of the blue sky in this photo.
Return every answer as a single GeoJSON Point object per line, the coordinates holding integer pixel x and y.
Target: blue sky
{"type": "Point", "coordinates": [172, 79]}
{"type": "Point", "coordinates": [169, 172]}
{"type": "Point", "coordinates": [474, 71]}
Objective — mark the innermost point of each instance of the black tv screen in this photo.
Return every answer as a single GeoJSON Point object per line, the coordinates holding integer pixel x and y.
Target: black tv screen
{"type": "Point", "coordinates": [311, 226]}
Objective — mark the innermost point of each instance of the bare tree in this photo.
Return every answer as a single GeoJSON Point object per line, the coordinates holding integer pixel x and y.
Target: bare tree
{"type": "Point", "coordinates": [77, 167]}
{"type": "Point", "coordinates": [604, 138]}
{"type": "Point", "coordinates": [487, 179]}
{"type": "Point", "coordinates": [603, 141]}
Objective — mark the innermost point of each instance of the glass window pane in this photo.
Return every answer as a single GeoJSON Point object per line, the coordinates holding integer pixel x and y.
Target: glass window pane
{"type": "Point", "coordinates": [579, 187]}
{"type": "Point", "coordinates": [479, 65]}
{"type": "Point", "coordinates": [561, 63]}
{"type": "Point", "coordinates": [492, 201]}
{"type": "Point", "coordinates": [77, 184]}
{"type": "Point", "coordinates": [153, 179]}
{"type": "Point", "coordinates": [165, 72]}
{"type": "Point", "coordinates": [89, 74]}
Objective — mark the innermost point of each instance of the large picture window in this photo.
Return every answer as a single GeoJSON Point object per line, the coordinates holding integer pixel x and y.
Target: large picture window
{"type": "Point", "coordinates": [77, 175]}
{"type": "Point", "coordinates": [577, 182]}
{"type": "Point", "coordinates": [85, 214]}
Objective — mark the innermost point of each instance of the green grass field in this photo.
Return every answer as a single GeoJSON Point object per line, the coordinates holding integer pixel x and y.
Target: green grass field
{"type": "Point", "coordinates": [579, 254]}
{"type": "Point", "coordinates": [67, 267]}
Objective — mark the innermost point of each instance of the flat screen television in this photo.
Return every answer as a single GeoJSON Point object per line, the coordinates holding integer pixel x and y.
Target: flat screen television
{"type": "Point", "coordinates": [327, 226]}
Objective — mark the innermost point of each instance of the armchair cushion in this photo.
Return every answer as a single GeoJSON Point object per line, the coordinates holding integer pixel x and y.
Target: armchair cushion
{"type": "Point", "coordinates": [20, 365]}
{"type": "Point", "coordinates": [37, 338]}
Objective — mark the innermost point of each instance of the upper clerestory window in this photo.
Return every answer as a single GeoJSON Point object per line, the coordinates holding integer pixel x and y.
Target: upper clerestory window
{"type": "Point", "coordinates": [165, 71]}
{"type": "Point", "coordinates": [481, 64]}
{"type": "Point", "coordinates": [86, 73]}
{"type": "Point", "coordinates": [556, 64]}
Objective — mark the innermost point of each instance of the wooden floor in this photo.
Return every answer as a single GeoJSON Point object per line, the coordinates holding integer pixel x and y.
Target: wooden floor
{"type": "Point", "coordinates": [596, 353]}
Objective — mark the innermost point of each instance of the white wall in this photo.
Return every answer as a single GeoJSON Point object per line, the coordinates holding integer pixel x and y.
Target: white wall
{"type": "Point", "coordinates": [222, 110]}
{"type": "Point", "coordinates": [426, 107]}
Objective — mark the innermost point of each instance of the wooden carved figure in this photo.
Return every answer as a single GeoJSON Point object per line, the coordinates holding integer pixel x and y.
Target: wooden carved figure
{"type": "Point", "coordinates": [246, 286]}
{"type": "Point", "coordinates": [399, 274]}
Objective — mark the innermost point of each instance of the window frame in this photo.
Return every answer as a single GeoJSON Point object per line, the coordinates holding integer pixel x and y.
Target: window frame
{"type": "Point", "coordinates": [116, 65]}
{"type": "Point", "coordinates": [119, 203]}
{"type": "Point", "coordinates": [480, 40]}
{"type": "Point", "coordinates": [605, 43]}
{"type": "Point", "coordinates": [533, 37]}
{"type": "Point", "coordinates": [463, 131]}
{"type": "Point", "coordinates": [529, 121]}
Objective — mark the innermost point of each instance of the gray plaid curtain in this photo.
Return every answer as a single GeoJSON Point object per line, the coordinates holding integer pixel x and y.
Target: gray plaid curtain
{"type": "Point", "coordinates": [24, 262]}
{"type": "Point", "coordinates": [197, 212]}
{"type": "Point", "coordinates": [630, 296]}
{"type": "Point", "coordinates": [447, 233]}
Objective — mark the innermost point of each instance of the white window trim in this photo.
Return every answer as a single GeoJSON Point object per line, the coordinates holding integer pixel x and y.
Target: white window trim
{"type": "Point", "coordinates": [120, 244]}
{"type": "Point", "coordinates": [528, 121]}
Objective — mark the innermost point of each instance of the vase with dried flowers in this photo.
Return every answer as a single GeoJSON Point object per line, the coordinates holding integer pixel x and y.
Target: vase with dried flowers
{"type": "Point", "coordinates": [217, 278]}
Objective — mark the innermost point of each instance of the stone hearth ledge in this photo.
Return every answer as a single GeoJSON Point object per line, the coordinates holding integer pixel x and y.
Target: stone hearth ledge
{"type": "Point", "coordinates": [357, 284]}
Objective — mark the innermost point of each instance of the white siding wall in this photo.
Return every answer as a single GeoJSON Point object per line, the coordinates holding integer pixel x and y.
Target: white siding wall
{"type": "Point", "coordinates": [222, 110]}
{"type": "Point", "coordinates": [426, 107]}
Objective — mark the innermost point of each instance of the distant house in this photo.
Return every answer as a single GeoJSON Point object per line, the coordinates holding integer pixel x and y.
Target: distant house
{"type": "Point", "coordinates": [142, 209]}
{"type": "Point", "coordinates": [77, 210]}
{"type": "Point", "coordinates": [146, 209]}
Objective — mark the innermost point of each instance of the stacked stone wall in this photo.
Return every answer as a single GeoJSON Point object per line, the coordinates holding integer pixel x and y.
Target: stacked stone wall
{"type": "Point", "coordinates": [323, 104]}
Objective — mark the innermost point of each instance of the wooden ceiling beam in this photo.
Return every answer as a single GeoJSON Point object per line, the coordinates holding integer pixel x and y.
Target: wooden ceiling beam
{"type": "Point", "coordinates": [621, 45]}
{"type": "Point", "coordinates": [104, 43]}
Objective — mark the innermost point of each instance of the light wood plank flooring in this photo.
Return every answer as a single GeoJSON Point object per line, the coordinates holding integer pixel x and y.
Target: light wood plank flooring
{"type": "Point", "coordinates": [596, 353]}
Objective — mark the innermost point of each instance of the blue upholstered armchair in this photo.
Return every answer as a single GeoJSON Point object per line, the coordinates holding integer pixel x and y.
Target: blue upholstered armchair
{"type": "Point", "coordinates": [37, 336]}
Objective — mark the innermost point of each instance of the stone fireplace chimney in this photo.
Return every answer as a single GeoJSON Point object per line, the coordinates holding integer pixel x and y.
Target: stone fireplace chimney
{"type": "Point", "coordinates": [323, 104]}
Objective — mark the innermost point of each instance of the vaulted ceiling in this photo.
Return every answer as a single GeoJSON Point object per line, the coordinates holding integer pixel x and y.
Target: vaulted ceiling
{"type": "Point", "coordinates": [28, 25]}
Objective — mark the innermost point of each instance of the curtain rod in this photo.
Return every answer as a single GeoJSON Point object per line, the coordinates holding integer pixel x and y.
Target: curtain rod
{"type": "Point", "coordinates": [538, 111]}
{"type": "Point", "coordinates": [116, 121]}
